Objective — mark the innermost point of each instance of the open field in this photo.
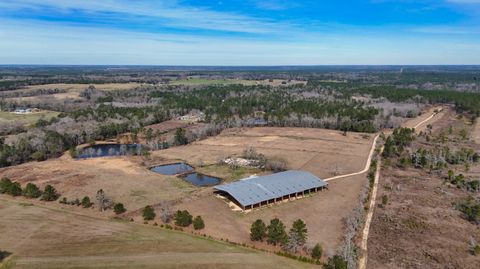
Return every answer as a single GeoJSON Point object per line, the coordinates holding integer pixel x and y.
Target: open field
{"type": "Point", "coordinates": [325, 153]}
{"type": "Point", "coordinates": [29, 118]}
{"type": "Point", "coordinates": [202, 81]}
{"type": "Point", "coordinates": [323, 213]}
{"type": "Point", "coordinates": [72, 90]}
{"type": "Point", "coordinates": [40, 237]}
{"type": "Point", "coordinates": [122, 178]}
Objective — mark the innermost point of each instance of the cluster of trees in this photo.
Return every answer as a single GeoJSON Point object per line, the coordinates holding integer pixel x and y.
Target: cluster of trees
{"type": "Point", "coordinates": [283, 107]}
{"type": "Point", "coordinates": [276, 234]}
{"type": "Point", "coordinates": [396, 143]}
{"type": "Point", "coordinates": [103, 202]}
{"type": "Point", "coordinates": [463, 101]}
{"type": "Point", "coordinates": [182, 218]}
{"type": "Point", "coordinates": [472, 185]}
{"type": "Point", "coordinates": [9, 187]}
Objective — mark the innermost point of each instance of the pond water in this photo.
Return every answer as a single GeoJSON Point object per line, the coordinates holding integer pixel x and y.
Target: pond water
{"type": "Point", "coordinates": [172, 169]}
{"type": "Point", "coordinates": [201, 179]}
{"type": "Point", "coordinates": [104, 150]}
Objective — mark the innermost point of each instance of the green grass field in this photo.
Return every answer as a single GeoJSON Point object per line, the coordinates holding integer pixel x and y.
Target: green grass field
{"type": "Point", "coordinates": [27, 118]}
{"type": "Point", "coordinates": [40, 237]}
{"type": "Point", "coordinates": [201, 81]}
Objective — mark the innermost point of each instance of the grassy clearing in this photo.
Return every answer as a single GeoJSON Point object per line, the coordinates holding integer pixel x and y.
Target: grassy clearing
{"type": "Point", "coordinates": [201, 81]}
{"type": "Point", "coordinates": [27, 118]}
{"type": "Point", "coordinates": [40, 237]}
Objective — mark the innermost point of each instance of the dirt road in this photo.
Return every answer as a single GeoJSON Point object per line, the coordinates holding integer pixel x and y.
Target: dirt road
{"type": "Point", "coordinates": [367, 165]}
{"type": "Point", "coordinates": [362, 263]}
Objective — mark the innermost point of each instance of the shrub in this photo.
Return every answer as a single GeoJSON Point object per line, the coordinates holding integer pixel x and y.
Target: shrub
{"type": "Point", "coordinates": [183, 218]}
{"type": "Point", "coordinates": [86, 203]}
{"type": "Point", "coordinates": [258, 230]}
{"type": "Point", "coordinates": [15, 189]}
{"type": "Point", "coordinates": [118, 208]}
{"type": "Point", "coordinates": [49, 193]}
{"type": "Point", "coordinates": [73, 152]}
{"type": "Point", "coordinates": [9, 187]}
{"type": "Point", "coordinates": [476, 250]}
{"type": "Point", "coordinates": [384, 200]}
{"type": "Point", "coordinates": [471, 210]}
{"type": "Point", "coordinates": [5, 183]}
{"type": "Point", "coordinates": [32, 191]}
{"type": "Point", "coordinates": [317, 252]}
{"type": "Point", "coordinates": [63, 200]}
{"type": "Point", "coordinates": [336, 262]}
{"type": "Point", "coordinates": [38, 156]}
{"type": "Point", "coordinates": [198, 223]}
{"type": "Point", "coordinates": [148, 213]}
{"type": "Point", "coordinates": [276, 165]}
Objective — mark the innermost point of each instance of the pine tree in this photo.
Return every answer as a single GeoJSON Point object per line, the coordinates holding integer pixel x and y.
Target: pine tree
{"type": "Point", "coordinates": [258, 230]}
{"type": "Point", "coordinates": [276, 232]}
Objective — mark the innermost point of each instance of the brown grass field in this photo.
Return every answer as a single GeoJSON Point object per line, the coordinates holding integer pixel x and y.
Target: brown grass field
{"type": "Point", "coordinates": [325, 153]}
{"type": "Point", "coordinates": [72, 90]}
{"type": "Point", "coordinates": [41, 237]}
{"type": "Point", "coordinates": [127, 179]}
{"type": "Point", "coordinates": [420, 226]}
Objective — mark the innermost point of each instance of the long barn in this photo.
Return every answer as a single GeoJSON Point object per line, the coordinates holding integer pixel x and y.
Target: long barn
{"type": "Point", "coordinates": [254, 192]}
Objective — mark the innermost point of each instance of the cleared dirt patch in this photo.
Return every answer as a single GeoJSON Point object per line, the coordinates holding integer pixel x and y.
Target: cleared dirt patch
{"type": "Point", "coordinates": [323, 152]}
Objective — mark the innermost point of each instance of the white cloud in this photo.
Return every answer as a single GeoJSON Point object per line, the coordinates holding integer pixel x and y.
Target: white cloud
{"type": "Point", "coordinates": [47, 43]}
{"type": "Point", "coordinates": [168, 12]}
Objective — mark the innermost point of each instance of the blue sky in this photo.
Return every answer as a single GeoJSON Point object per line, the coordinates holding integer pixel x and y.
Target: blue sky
{"type": "Point", "coordinates": [239, 32]}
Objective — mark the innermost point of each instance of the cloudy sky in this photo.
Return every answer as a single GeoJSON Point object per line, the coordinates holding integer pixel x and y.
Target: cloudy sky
{"type": "Point", "coordinates": [239, 32]}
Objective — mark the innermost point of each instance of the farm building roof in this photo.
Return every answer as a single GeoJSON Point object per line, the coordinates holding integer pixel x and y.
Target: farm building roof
{"type": "Point", "coordinates": [255, 190]}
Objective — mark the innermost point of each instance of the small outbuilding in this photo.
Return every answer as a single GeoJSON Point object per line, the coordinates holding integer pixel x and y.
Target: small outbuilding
{"type": "Point", "coordinates": [255, 192]}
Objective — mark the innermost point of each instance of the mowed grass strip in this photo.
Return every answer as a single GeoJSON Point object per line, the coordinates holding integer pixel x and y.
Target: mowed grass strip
{"type": "Point", "coordinates": [29, 118]}
{"type": "Point", "coordinates": [41, 237]}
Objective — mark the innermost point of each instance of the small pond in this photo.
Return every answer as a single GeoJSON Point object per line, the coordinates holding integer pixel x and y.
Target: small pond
{"type": "Point", "coordinates": [104, 150]}
{"type": "Point", "coordinates": [198, 179]}
{"type": "Point", "coordinates": [172, 169]}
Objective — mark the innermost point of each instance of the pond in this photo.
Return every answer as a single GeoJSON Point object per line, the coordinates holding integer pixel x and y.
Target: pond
{"type": "Point", "coordinates": [198, 179]}
{"type": "Point", "coordinates": [104, 150]}
{"type": "Point", "coordinates": [172, 169]}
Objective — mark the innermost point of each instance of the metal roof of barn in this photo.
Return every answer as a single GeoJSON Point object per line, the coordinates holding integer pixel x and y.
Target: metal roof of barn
{"type": "Point", "coordinates": [254, 190]}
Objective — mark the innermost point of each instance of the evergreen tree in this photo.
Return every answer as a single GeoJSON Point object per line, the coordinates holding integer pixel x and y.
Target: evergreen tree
{"type": "Point", "coordinates": [183, 218]}
{"type": "Point", "coordinates": [317, 252]}
{"type": "Point", "coordinates": [118, 208]}
{"type": "Point", "coordinates": [276, 232]}
{"type": "Point", "coordinates": [180, 138]}
{"type": "Point", "coordinates": [198, 223]}
{"type": "Point", "coordinates": [49, 193]}
{"type": "Point", "coordinates": [336, 262]}
{"type": "Point", "coordinates": [32, 191]}
{"type": "Point", "coordinates": [86, 203]}
{"type": "Point", "coordinates": [258, 230]}
{"type": "Point", "coordinates": [148, 213]}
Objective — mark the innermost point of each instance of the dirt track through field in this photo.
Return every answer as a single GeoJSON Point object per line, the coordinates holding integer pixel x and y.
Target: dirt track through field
{"type": "Point", "coordinates": [367, 165]}
{"type": "Point", "coordinates": [362, 263]}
